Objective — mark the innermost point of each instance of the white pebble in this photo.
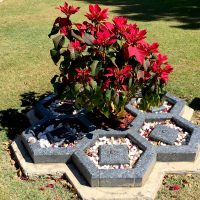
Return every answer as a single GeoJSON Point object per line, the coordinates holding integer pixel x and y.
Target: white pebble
{"type": "Point", "coordinates": [32, 140]}
{"type": "Point", "coordinates": [44, 143]}
{"type": "Point", "coordinates": [74, 112]}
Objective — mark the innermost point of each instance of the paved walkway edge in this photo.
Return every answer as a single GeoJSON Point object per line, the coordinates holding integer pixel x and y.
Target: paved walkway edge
{"type": "Point", "coordinates": [146, 192]}
{"type": "Point", "coordinates": [33, 170]}
{"type": "Point", "coordinates": [187, 112]}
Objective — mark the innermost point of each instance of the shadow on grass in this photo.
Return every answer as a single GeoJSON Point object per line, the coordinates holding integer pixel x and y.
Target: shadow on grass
{"type": "Point", "coordinates": [187, 12]}
{"type": "Point", "coordinates": [14, 121]}
{"type": "Point", "coordinates": [195, 104]}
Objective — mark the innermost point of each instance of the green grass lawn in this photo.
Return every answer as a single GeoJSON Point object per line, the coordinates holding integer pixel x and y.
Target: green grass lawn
{"type": "Point", "coordinates": [26, 67]}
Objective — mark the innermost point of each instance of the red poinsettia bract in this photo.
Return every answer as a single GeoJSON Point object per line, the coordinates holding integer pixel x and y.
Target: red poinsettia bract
{"type": "Point", "coordinates": [97, 14]}
{"type": "Point", "coordinates": [120, 24]}
{"type": "Point", "coordinates": [106, 84]}
{"type": "Point", "coordinates": [104, 38]}
{"type": "Point", "coordinates": [109, 60]}
{"type": "Point", "coordinates": [162, 68]}
{"type": "Point", "coordinates": [82, 74]}
{"type": "Point", "coordinates": [76, 45]}
{"type": "Point", "coordinates": [119, 74]}
{"type": "Point", "coordinates": [68, 10]}
{"type": "Point", "coordinates": [134, 35]}
{"type": "Point", "coordinates": [64, 25]}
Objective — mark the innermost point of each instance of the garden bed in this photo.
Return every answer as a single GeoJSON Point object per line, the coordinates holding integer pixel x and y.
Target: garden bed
{"type": "Point", "coordinates": [117, 160]}
{"type": "Point", "coordinates": [54, 140]}
{"type": "Point", "coordinates": [111, 156]}
{"type": "Point", "coordinates": [164, 133]}
{"type": "Point", "coordinates": [171, 106]}
{"type": "Point", "coordinates": [52, 105]}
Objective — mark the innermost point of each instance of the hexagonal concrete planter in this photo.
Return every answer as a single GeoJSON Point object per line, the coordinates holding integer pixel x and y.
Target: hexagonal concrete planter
{"type": "Point", "coordinates": [158, 132]}
{"type": "Point", "coordinates": [41, 108]}
{"type": "Point", "coordinates": [48, 108]}
{"type": "Point", "coordinates": [176, 103]}
{"type": "Point", "coordinates": [112, 177]}
{"type": "Point", "coordinates": [121, 157]}
{"type": "Point", "coordinates": [52, 154]}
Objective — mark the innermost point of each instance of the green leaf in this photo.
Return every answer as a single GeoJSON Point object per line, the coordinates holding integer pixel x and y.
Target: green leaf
{"type": "Point", "coordinates": [73, 53]}
{"type": "Point", "coordinates": [58, 42]}
{"type": "Point", "coordinates": [85, 53]}
{"type": "Point", "coordinates": [62, 67]}
{"type": "Point", "coordinates": [78, 102]}
{"type": "Point", "coordinates": [94, 70]}
{"type": "Point", "coordinates": [130, 82]}
{"type": "Point", "coordinates": [97, 96]}
{"type": "Point", "coordinates": [55, 55]}
{"type": "Point", "coordinates": [105, 111]}
{"type": "Point", "coordinates": [116, 100]}
{"type": "Point", "coordinates": [121, 113]}
{"type": "Point", "coordinates": [67, 93]}
{"type": "Point", "coordinates": [63, 50]}
{"type": "Point", "coordinates": [88, 38]}
{"type": "Point", "coordinates": [120, 43]}
{"type": "Point", "coordinates": [94, 84]}
{"type": "Point", "coordinates": [153, 88]}
{"type": "Point", "coordinates": [113, 59]}
{"type": "Point", "coordinates": [88, 88]}
{"type": "Point", "coordinates": [108, 95]}
{"type": "Point", "coordinates": [146, 65]}
{"type": "Point", "coordinates": [75, 34]}
{"type": "Point", "coordinates": [54, 30]}
{"type": "Point", "coordinates": [111, 51]}
{"type": "Point", "coordinates": [77, 87]}
{"type": "Point", "coordinates": [58, 87]}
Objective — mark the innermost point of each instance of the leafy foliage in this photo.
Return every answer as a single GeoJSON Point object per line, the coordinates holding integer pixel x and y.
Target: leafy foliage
{"type": "Point", "coordinates": [103, 65]}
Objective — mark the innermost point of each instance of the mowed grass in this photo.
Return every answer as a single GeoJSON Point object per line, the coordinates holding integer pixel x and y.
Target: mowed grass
{"type": "Point", "coordinates": [26, 67]}
{"type": "Point", "coordinates": [187, 187]}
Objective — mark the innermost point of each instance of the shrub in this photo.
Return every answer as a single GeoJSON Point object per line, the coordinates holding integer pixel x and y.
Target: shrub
{"type": "Point", "coordinates": [103, 65]}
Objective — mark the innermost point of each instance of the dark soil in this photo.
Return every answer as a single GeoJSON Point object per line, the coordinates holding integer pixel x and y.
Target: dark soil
{"type": "Point", "coordinates": [102, 122]}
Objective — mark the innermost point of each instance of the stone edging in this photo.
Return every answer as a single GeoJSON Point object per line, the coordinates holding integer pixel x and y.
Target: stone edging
{"type": "Point", "coordinates": [147, 192]}
{"type": "Point", "coordinates": [135, 176]}
{"type": "Point", "coordinates": [115, 177]}
{"type": "Point", "coordinates": [50, 155]}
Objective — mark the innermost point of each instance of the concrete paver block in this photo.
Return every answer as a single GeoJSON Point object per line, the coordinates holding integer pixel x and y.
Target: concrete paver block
{"type": "Point", "coordinates": [147, 192]}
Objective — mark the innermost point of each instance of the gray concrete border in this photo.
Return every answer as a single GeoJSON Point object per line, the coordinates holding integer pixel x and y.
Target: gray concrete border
{"type": "Point", "coordinates": [115, 177]}
{"type": "Point", "coordinates": [147, 192]}
{"type": "Point", "coordinates": [174, 153]}
{"type": "Point", "coordinates": [50, 154]}
{"type": "Point", "coordinates": [177, 109]}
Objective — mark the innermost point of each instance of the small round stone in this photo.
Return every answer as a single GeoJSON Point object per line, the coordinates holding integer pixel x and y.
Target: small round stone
{"type": "Point", "coordinates": [32, 140]}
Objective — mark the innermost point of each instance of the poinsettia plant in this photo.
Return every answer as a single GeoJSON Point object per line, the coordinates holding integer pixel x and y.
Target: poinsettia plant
{"type": "Point", "coordinates": [104, 64]}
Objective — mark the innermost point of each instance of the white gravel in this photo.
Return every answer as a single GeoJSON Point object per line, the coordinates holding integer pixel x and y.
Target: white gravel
{"type": "Point", "coordinates": [44, 142]}
{"type": "Point", "coordinates": [167, 106]}
{"type": "Point", "coordinates": [55, 104]}
{"type": "Point", "coordinates": [147, 128]}
{"type": "Point", "coordinates": [133, 151]}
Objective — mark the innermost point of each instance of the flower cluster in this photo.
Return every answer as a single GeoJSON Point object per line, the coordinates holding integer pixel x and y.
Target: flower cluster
{"type": "Point", "coordinates": [103, 65]}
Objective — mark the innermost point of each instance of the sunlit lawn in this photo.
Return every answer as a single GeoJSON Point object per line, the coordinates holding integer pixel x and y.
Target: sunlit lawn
{"type": "Point", "coordinates": [26, 65]}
